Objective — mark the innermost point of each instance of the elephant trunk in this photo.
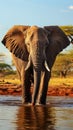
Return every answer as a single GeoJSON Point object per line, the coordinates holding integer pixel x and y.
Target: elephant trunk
{"type": "Point", "coordinates": [37, 78]}
{"type": "Point", "coordinates": [37, 62]}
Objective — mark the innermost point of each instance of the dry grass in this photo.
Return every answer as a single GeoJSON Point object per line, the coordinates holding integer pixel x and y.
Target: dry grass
{"type": "Point", "coordinates": [68, 82]}
{"type": "Point", "coordinates": [13, 79]}
{"type": "Point", "coordinates": [57, 86]}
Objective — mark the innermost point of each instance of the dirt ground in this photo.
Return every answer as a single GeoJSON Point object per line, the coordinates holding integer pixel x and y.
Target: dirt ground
{"type": "Point", "coordinates": [11, 89]}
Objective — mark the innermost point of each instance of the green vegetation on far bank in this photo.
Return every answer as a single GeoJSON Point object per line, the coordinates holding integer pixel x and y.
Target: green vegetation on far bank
{"type": "Point", "coordinates": [63, 66]}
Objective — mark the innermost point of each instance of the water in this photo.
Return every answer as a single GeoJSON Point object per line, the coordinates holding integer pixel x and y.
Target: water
{"type": "Point", "coordinates": [58, 115]}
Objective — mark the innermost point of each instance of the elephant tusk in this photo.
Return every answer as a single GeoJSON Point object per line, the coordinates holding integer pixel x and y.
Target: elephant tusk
{"type": "Point", "coordinates": [28, 64]}
{"type": "Point", "coordinates": [46, 66]}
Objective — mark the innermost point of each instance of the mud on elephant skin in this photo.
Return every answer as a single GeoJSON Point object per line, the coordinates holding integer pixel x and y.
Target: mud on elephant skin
{"type": "Point", "coordinates": [34, 51]}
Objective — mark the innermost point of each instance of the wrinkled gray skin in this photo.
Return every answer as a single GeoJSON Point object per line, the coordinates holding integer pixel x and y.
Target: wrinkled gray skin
{"type": "Point", "coordinates": [34, 51]}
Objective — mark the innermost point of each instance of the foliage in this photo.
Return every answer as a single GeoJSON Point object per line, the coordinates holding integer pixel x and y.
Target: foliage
{"type": "Point", "coordinates": [6, 70]}
{"type": "Point", "coordinates": [64, 62]}
{"type": "Point", "coordinates": [67, 29]}
{"type": "Point", "coordinates": [5, 67]}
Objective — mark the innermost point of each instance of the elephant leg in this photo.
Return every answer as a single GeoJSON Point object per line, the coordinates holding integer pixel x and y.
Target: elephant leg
{"type": "Point", "coordinates": [26, 84]}
{"type": "Point", "coordinates": [43, 94]}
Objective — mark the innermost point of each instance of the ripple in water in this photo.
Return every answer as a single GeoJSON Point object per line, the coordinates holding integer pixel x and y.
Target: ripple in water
{"type": "Point", "coordinates": [56, 116]}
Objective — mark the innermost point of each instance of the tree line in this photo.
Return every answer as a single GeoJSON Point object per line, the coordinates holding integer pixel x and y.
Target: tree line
{"type": "Point", "coordinates": [63, 65]}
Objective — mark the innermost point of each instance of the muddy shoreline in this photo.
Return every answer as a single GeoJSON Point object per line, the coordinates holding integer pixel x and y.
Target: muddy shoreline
{"type": "Point", "coordinates": [11, 89]}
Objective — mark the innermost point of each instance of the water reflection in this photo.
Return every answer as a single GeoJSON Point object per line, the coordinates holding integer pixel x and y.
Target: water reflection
{"type": "Point", "coordinates": [56, 116]}
{"type": "Point", "coordinates": [35, 118]}
{"type": "Point", "coordinates": [8, 117]}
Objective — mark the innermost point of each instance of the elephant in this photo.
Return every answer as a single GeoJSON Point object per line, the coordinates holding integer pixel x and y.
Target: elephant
{"type": "Point", "coordinates": [34, 50]}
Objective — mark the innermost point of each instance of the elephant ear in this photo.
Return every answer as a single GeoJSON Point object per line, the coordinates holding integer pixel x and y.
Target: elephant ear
{"type": "Point", "coordinates": [14, 40]}
{"type": "Point", "coordinates": [57, 38]}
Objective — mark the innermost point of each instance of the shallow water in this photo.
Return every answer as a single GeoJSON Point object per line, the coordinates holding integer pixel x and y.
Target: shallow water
{"type": "Point", "coordinates": [58, 115]}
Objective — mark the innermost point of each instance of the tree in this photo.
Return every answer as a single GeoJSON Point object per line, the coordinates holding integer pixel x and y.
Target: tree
{"type": "Point", "coordinates": [5, 67]}
{"type": "Point", "coordinates": [63, 65]}
{"type": "Point", "coordinates": [67, 29]}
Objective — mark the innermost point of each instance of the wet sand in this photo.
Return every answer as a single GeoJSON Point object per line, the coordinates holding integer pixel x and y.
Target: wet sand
{"type": "Point", "coordinates": [11, 89]}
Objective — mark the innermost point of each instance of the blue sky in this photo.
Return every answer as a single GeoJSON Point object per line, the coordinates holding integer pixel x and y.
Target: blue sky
{"type": "Point", "coordinates": [39, 12]}
{"type": "Point", "coordinates": [34, 12]}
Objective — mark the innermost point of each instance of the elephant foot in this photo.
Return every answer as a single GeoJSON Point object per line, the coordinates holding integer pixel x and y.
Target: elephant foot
{"type": "Point", "coordinates": [42, 104]}
{"type": "Point", "coordinates": [27, 104]}
{"type": "Point", "coordinates": [26, 101]}
{"type": "Point", "coordinates": [38, 104]}
{"type": "Point", "coordinates": [33, 104]}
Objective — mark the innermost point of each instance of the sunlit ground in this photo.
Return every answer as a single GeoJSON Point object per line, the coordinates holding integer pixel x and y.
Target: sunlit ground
{"type": "Point", "coordinates": [10, 85]}
{"type": "Point", "coordinates": [68, 82]}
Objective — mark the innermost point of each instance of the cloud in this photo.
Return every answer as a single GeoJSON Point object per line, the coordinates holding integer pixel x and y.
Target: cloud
{"type": "Point", "coordinates": [71, 7]}
{"type": "Point", "coordinates": [68, 9]}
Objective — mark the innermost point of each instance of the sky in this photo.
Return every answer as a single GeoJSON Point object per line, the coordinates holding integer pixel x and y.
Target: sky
{"type": "Point", "coordinates": [34, 12]}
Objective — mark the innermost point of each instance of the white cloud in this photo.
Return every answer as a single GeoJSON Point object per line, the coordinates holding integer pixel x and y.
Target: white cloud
{"type": "Point", "coordinates": [71, 7]}
{"type": "Point", "coordinates": [68, 9]}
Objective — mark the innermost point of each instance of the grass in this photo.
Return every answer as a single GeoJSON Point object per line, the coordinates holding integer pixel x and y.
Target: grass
{"type": "Point", "coordinates": [13, 79]}
{"type": "Point", "coordinates": [54, 81]}
{"type": "Point", "coordinates": [68, 82]}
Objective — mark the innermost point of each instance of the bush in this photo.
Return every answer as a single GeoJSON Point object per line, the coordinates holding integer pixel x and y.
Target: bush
{"type": "Point", "coordinates": [5, 67]}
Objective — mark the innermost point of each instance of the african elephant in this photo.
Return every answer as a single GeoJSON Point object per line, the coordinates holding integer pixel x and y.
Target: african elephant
{"type": "Point", "coordinates": [34, 51]}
